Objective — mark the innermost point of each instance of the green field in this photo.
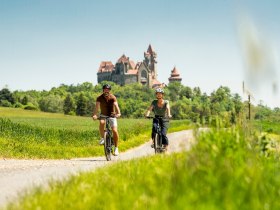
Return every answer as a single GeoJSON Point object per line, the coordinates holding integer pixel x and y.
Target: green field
{"type": "Point", "coordinates": [33, 134]}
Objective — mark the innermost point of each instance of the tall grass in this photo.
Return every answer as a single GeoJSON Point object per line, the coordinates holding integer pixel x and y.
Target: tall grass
{"type": "Point", "coordinates": [267, 126]}
{"type": "Point", "coordinates": [224, 170]}
{"type": "Point", "coordinates": [27, 141]}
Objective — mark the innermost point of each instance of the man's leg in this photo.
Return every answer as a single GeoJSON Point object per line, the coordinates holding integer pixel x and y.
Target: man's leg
{"type": "Point", "coordinates": [115, 136]}
{"type": "Point", "coordinates": [114, 126]}
{"type": "Point", "coordinates": [101, 130]}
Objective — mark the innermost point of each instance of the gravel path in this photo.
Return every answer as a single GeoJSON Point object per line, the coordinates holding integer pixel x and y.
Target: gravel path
{"type": "Point", "coordinates": [17, 176]}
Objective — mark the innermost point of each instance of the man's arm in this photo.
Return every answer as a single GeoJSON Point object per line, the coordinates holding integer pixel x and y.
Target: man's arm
{"type": "Point", "coordinates": [97, 106]}
{"type": "Point", "coordinates": [117, 109]}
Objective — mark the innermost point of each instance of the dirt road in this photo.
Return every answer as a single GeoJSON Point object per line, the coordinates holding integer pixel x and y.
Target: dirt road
{"type": "Point", "coordinates": [17, 176]}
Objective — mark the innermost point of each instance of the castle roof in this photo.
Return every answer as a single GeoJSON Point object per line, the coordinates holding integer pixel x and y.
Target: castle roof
{"type": "Point", "coordinates": [106, 66]}
{"type": "Point", "coordinates": [123, 59]}
{"type": "Point", "coordinates": [175, 72]}
{"type": "Point", "coordinates": [132, 71]}
{"type": "Point", "coordinates": [138, 65]}
{"type": "Point", "coordinates": [175, 75]}
{"type": "Point", "coordinates": [132, 64]}
{"type": "Point", "coordinates": [150, 49]}
{"type": "Point", "coordinates": [156, 82]}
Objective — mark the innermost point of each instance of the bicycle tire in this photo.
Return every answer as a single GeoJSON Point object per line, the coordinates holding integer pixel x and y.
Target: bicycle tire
{"type": "Point", "coordinates": [160, 149]}
{"type": "Point", "coordinates": [156, 143]}
{"type": "Point", "coordinates": [107, 146]}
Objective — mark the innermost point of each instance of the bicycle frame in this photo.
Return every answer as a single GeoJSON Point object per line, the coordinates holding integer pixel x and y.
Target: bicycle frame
{"type": "Point", "coordinates": [108, 138]}
{"type": "Point", "coordinates": [157, 139]}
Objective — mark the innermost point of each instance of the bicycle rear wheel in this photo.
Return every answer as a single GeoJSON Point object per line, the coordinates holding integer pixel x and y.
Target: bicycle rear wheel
{"type": "Point", "coordinates": [107, 146]}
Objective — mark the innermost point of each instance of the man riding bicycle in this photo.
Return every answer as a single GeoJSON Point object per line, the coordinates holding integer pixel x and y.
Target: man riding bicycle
{"type": "Point", "coordinates": [108, 104]}
{"type": "Point", "coordinates": [161, 108]}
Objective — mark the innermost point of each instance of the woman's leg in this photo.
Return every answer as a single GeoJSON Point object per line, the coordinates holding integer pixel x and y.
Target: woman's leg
{"type": "Point", "coordinates": [164, 129]}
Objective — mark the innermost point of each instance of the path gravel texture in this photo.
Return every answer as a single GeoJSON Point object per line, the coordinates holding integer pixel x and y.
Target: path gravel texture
{"type": "Point", "coordinates": [19, 176]}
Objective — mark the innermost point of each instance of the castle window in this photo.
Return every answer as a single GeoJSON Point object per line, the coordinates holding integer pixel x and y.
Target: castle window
{"type": "Point", "coordinates": [144, 77]}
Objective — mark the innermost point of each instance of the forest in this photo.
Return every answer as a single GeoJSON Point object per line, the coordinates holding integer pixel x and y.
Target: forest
{"type": "Point", "coordinates": [186, 102]}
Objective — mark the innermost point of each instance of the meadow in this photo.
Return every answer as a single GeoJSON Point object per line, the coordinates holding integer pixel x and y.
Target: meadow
{"type": "Point", "coordinates": [34, 134]}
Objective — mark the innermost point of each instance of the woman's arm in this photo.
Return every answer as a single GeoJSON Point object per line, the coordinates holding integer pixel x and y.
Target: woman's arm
{"type": "Point", "coordinates": [149, 110]}
{"type": "Point", "coordinates": [168, 110]}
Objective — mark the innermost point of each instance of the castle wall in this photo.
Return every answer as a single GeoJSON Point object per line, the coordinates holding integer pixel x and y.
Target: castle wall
{"type": "Point", "coordinates": [130, 79]}
{"type": "Point", "coordinates": [118, 79]}
{"type": "Point", "coordinates": [103, 76]}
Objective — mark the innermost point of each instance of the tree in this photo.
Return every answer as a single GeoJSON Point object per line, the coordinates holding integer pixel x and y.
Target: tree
{"type": "Point", "coordinates": [81, 108]}
{"type": "Point", "coordinates": [187, 92]}
{"type": "Point", "coordinates": [237, 103]}
{"type": "Point", "coordinates": [174, 89]}
{"type": "Point", "coordinates": [221, 100]}
{"type": "Point", "coordinates": [196, 92]}
{"type": "Point", "coordinates": [51, 103]}
{"type": "Point", "coordinates": [5, 103]}
{"type": "Point", "coordinates": [181, 109]}
{"type": "Point", "coordinates": [24, 100]}
{"type": "Point", "coordinates": [69, 104]}
{"type": "Point", "coordinates": [5, 94]}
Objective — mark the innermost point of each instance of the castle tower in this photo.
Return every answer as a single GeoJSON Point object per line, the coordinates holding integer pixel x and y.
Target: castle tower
{"type": "Point", "coordinates": [175, 76]}
{"type": "Point", "coordinates": [151, 62]}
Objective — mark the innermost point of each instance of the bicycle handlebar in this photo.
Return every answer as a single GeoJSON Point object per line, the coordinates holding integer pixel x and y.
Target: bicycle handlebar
{"type": "Point", "coordinates": [149, 117]}
{"type": "Point", "coordinates": [101, 116]}
{"type": "Point", "coordinates": [157, 117]}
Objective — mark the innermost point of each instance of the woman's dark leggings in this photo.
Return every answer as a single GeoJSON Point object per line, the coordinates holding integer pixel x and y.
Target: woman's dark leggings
{"type": "Point", "coordinates": [164, 127]}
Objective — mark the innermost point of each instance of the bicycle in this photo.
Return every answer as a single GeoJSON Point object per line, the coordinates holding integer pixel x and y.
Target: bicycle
{"type": "Point", "coordinates": [108, 137]}
{"type": "Point", "coordinates": [157, 137]}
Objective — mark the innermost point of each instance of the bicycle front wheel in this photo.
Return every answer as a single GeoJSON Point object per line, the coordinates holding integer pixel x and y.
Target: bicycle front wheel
{"type": "Point", "coordinates": [156, 143]}
{"type": "Point", "coordinates": [107, 146]}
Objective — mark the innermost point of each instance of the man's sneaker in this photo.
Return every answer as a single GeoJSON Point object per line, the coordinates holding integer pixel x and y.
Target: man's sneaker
{"type": "Point", "coordinates": [101, 141]}
{"type": "Point", "coordinates": [116, 151]}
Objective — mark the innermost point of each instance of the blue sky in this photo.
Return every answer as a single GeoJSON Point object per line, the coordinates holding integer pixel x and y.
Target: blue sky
{"type": "Point", "coordinates": [46, 43]}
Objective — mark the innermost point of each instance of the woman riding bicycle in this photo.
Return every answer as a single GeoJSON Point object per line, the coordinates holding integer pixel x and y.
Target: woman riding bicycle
{"type": "Point", "coordinates": [161, 109]}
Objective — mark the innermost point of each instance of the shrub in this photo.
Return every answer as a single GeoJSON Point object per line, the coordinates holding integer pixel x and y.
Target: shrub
{"type": "Point", "coordinates": [18, 105]}
{"type": "Point", "coordinates": [5, 103]}
{"type": "Point", "coordinates": [30, 106]}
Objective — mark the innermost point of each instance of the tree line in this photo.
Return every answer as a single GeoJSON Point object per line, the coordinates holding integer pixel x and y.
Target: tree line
{"type": "Point", "coordinates": [186, 103]}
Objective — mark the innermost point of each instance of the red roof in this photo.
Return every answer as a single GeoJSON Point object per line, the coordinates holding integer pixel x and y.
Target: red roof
{"type": "Point", "coordinates": [106, 66]}
{"type": "Point", "coordinates": [132, 64]}
{"type": "Point", "coordinates": [150, 49]}
{"type": "Point", "coordinates": [156, 82]}
{"type": "Point", "coordinates": [174, 72]}
{"type": "Point", "coordinates": [123, 59]}
{"type": "Point", "coordinates": [132, 71]}
{"type": "Point", "coordinates": [138, 65]}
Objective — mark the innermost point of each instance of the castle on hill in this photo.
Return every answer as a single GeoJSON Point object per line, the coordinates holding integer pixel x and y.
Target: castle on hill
{"type": "Point", "coordinates": [126, 71]}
